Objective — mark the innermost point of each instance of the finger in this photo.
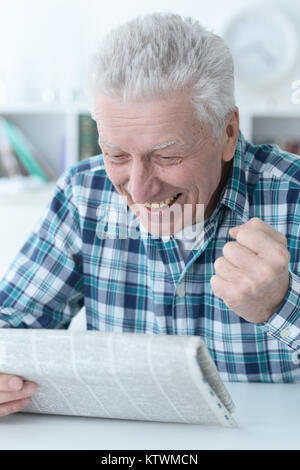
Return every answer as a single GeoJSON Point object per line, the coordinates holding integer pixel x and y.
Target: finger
{"type": "Point", "coordinates": [260, 226]}
{"type": "Point", "coordinates": [260, 268]}
{"type": "Point", "coordinates": [258, 242]}
{"type": "Point", "coordinates": [227, 270]}
{"type": "Point", "coordinates": [27, 390]}
{"type": "Point", "coordinates": [223, 289]}
{"type": "Point", "coordinates": [265, 247]}
{"type": "Point", "coordinates": [10, 382]}
{"type": "Point", "coordinates": [14, 407]}
{"type": "Point", "coordinates": [240, 256]}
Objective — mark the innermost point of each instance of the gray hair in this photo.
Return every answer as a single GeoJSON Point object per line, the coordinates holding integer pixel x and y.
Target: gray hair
{"type": "Point", "coordinates": [159, 54]}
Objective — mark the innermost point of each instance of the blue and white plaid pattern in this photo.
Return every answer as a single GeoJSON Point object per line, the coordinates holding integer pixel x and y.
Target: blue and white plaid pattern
{"type": "Point", "coordinates": [143, 285]}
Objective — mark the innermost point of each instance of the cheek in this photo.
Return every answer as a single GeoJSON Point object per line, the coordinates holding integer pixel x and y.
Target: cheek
{"type": "Point", "coordinates": [200, 180]}
{"type": "Point", "coordinates": [116, 174]}
{"type": "Point", "coordinates": [177, 176]}
{"type": "Point", "coordinates": [190, 177]}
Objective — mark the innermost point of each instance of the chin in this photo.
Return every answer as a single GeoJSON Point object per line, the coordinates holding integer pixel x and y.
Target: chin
{"type": "Point", "coordinates": [159, 229]}
{"type": "Point", "coordinates": [165, 223]}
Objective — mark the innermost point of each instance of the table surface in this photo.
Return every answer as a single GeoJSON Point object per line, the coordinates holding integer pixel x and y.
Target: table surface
{"type": "Point", "coordinates": [268, 416]}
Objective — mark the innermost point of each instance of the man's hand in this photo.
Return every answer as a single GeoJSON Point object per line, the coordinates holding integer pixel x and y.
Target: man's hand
{"type": "Point", "coordinates": [252, 276]}
{"type": "Point", "coordinates": [14, 394]}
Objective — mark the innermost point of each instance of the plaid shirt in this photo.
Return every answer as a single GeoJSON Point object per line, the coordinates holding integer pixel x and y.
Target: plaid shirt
{"type": "Point", "coordinates": [143, 285]}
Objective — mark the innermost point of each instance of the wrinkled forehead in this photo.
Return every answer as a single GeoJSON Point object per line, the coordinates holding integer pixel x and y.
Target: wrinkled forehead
{"type": "Point", "coordinates": [157, 122]}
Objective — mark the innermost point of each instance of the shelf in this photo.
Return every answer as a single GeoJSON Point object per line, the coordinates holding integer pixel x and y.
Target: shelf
{"type": "Point", "coordinates": [54, 128]}
{"type": "Point", "coordinates": [27, 197]}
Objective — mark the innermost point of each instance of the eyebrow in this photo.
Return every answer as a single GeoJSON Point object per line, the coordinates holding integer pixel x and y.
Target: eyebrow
{"type": "Point", "coordinates": [151, 149]}
{"type": "Point", "coordinates": [163, 146]}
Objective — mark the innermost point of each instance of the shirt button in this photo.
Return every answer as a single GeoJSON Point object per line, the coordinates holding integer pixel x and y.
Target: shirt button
{"type": "Point", "coordinates": [285, 332]}
{"type": "Point", "coordinates": [180, 290]}
{"type": "Point", "coordinates": [296, 358]}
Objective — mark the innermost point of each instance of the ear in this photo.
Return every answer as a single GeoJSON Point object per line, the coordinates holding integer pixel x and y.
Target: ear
{"type": "Point", "coordinates": [231, 135]}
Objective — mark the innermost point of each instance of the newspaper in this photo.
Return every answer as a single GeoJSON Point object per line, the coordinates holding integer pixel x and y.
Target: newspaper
{"type": "Point", "coordinates": [118, 375]}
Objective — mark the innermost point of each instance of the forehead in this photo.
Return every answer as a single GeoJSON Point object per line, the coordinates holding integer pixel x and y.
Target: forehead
{"type": "Point", "coordinates": [165, 119]}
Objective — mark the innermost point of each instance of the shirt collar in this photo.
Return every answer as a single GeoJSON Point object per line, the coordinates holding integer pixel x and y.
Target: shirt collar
{"type": "Point", "coordinates": [235, 194]}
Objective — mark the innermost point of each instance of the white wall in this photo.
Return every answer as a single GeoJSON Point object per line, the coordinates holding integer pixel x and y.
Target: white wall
{"type": "Point", "coordinates": [48, 41]}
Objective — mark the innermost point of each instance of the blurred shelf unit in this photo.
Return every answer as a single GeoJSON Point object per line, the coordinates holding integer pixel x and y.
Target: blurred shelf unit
{"type": "Point", "coordinates": [65, 134]}
{"type": "Point", "coordinates": [62, 135]}
{"type": "Point", "coordinates": [273, 126]}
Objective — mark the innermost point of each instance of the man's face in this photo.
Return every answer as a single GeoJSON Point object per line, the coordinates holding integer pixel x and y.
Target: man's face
{"type": "Point", "coordinates": [157, 153]}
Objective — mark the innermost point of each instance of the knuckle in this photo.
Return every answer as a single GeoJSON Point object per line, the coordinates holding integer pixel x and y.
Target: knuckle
{"type": "Point", "coordinates": [242, 234]}
{"type": "Point", "coordinates": [247, 289]}
{"type": "Point", "coordinates": [219, 263]}
{"type": "Point", "coordinates": [228, 248]}
{"type": "Point", "coordinates": [265, 273]}
{"type": "Point", "coordinates": [283, 239]}
{"type": "Point", "coordinates": [214, 282]}
{"type": "Point", "coordinates": [254, 222]}
{"type": "Point", "coordinates": [281, 257]}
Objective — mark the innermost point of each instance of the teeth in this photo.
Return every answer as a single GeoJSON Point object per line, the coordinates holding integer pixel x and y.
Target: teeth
{"type": "Point", "coordinates": [159, 205]}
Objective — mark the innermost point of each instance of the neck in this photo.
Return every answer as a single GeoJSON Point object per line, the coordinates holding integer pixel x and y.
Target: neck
{"type": "Point", "coordinates": [226, 167]}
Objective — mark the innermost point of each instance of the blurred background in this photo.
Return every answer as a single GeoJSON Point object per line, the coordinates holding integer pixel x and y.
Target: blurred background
{"type": "Point", "coordinates": [45, 125]}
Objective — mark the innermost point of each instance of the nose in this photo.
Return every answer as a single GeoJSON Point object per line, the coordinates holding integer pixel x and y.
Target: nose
{"type": "Point", "coordinates": [142, 182]}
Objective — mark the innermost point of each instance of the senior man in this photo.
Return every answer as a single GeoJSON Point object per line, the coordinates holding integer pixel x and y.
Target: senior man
{"type": "Point", "coordinates": [163, 99]}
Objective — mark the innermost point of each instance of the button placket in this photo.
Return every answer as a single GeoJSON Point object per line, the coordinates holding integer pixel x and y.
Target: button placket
{"type": "Point", "coordinates": [180, 291]}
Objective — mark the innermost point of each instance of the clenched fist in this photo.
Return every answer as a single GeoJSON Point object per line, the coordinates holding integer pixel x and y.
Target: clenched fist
{"type": "Point", "coordinates": [252, 276]}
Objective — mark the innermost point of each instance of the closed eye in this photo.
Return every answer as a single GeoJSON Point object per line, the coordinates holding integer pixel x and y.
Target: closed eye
{"type": "Point", "coordinates": [116, 158]}
{"type": "Point", "coordinates": [157, 159]}
{"type": "Point", "coordinates": [165, 161]}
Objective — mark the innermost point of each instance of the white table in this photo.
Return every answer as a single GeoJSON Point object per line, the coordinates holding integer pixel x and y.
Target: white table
{"type": "Point", "coordinates": [18, 215]}
{"type": "Point", "coordinates": [268, 416]}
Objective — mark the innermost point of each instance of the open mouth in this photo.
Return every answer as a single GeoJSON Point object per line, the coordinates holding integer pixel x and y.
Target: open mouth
{"type": "Point", "coordinates": [163, 204]}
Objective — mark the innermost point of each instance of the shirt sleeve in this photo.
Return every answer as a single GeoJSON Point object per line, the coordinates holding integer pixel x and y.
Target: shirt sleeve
{"type": "Point", "coordinates": [43, 287]}
{"type": "Point", "coordinates": [284, 324]}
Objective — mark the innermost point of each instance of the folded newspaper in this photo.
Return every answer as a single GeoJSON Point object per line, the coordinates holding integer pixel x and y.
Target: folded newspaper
{"type": "Point", "coordinates": [118, 375]}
